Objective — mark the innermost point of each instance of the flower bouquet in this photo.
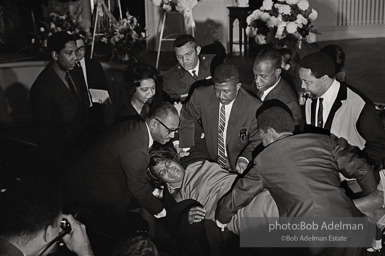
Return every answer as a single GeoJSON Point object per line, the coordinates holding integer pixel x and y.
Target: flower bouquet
{"type": "Point", "coordinates": [279, 19]}
{"type": "Point", "coordinates": [176, 5]}
{"type": "Point", "coordinates": [53, 23]}
{"type": "Point", "coordinates": [123, 36]}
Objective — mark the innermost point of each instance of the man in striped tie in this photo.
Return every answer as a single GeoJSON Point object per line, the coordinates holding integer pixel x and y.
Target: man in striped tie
{"type": "Point", "coordinates": [227, 114]}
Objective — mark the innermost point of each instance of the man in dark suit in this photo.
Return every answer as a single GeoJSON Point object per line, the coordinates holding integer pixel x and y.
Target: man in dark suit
{"type": "Point", "coordinates": [91, 72]}
{"type": "Point", "coordinates": [269, 83]}
{"type": "Point", "coordinates": [57, 102]}
{"type": "Point", "coordinates": [191, 67]}
{"type": "Point", "coordinates": [231, 136]}
{"type": "Point", "coordinates": [340, 108]}
{"type": "Point", "coordinates": [111, 176]}
{"type": "Point", "coordinates": [301, 172]}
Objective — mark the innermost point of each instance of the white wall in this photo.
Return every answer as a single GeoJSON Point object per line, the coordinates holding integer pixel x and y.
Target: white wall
{"type": "Point", "coordinates": [211, 17]}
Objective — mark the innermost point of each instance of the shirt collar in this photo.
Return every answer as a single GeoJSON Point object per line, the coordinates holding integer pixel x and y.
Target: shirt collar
{"type": "Point", "coordinates": [265, 92]}
{"type": "Point", "coordinates": [150, 140]}
{"type": "Point", "coordinates": [196, 69]}
{"type": "Point", "coordinates": [330, 95]}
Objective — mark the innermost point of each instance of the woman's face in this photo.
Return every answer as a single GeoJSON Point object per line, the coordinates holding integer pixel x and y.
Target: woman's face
{"type": "Point", "coordinates": [146, 91]}
{"type": "Point", "coordinates": [168, 171]}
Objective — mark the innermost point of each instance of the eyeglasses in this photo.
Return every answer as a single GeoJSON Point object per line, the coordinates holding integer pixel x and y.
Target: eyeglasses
{"type": "Point", "coordinates": [168, 129]}
{"type": "Point", "coordinates": [81, 49]}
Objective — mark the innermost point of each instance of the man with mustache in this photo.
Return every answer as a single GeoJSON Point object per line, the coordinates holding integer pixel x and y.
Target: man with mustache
{"type": "Point", "coordinates": [57, 103]}
{"type": "Point", "coordinates": [337, 107]}
{"type": "Point", "coordinates": [111, 176]}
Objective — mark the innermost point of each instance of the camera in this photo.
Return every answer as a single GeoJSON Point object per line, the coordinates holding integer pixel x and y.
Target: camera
{"type": "Point", "coordinates": [65, 226]}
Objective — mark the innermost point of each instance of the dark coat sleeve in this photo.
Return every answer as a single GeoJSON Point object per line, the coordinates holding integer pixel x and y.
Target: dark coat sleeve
{"type": "Point", "coordinates": [370, 127]}
{"type": "Point", "coordinates": [244, 190]}
{"type": "Point", "coordinates": [351, 166]}
{"type": "Point", "coordinates": [134, 164]}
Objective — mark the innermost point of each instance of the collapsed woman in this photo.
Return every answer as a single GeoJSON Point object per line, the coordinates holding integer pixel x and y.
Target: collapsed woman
{"type": "Point", "coordinates": [205, 182]}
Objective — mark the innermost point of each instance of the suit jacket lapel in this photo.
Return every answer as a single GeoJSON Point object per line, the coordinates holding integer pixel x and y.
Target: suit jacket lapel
{"type": "Point", "coordinates": [63, 87]}
{"type": "Point", "coordinates": [213, 115]}
{"type": "Point", "coordinates": [313, 108]}
{"type": "Point", "coordinates": [234, 115]}
{"type": "Point", "coordinates": [275, 91]}
{"type": "Point", "coordinates": [342, 95]}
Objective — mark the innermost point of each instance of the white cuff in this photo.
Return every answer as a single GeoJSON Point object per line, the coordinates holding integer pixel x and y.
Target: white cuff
{"type": "Point", "coordinates": [161, 214]}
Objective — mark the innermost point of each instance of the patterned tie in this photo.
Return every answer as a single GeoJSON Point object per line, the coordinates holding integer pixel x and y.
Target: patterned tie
{"type": "Point", "coordinates": [221, 142]}
{"type": "Point", "coordinates": [71, 85]}
{"type": "Point", "coordinates": [320, 113]}
{"type": "Point", "coordinates": [194, 74]}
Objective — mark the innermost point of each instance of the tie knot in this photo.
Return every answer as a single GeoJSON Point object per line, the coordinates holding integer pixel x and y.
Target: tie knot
{"type": "Point", "coordinates": [321, 99]}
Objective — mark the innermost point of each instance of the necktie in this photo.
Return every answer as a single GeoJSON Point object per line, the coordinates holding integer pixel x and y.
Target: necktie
{"type": "Point", "coordinates": [194, 74]}
{"type": "Point", "coordinates": [320, 113]}
{"type": "Point", "coordinates": [221, 142]}
{"type": "Point", "coordinates": [71, 85]}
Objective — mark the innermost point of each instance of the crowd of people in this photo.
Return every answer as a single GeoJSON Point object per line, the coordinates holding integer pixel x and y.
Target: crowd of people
{"type": "Point", "coordinates": [191, 153]}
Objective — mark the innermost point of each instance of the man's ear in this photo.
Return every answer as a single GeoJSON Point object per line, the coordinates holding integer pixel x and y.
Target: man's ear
{"type": "Point", "coordinates": [151, 123]}
{"type": "Point", "coordinates": [198, 49]}
{"type": "Point", "coordinates": [49, 233]}
{"type": "Point", "coordinates": [55, 55]}
{"type": "Point", "coordinates": [238, 86]}
{"type": "Point", "coordinates": [272, 134]}
{"type": "Point", "coordinates": [278, 71]}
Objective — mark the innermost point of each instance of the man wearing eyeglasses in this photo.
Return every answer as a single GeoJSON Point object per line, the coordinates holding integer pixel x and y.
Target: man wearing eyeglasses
{"type": "Point", "coordinates": [111, 176]}
{"type": "Point", "coordinates": [91, 73]}
{"type": "Point", "coordinates": [30, 221]}
{"type": "Point", "coordinates": [58, 108]}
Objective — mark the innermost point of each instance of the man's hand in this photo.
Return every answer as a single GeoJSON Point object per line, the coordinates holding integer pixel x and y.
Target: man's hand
{"type": "Point", "coordinates": [77, 240]}
{"type": "Point", "coordinates": [242, 164]}
{"type": "Point", "coordinates": [196, 214]}
{"type": "Point", "coordinates": [220, 225]}
{"type": "Point", "coordinates": [182, 151]}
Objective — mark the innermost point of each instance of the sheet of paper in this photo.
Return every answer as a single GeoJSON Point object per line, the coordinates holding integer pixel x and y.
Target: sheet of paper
{"type": "Point", "coordinates": [100, 96]}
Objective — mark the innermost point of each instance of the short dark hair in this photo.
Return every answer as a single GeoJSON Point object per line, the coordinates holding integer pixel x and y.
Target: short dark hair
{"type": "Point", "coordinates": [28, 206]}
{"type": "Point", "coordinates": [135, 246]}
{"type": "Point", "coordinates": [138, 72]}
{"type": "Point", "coordinates": [320, 64]}
{"type": "Point", "coordinates": [336, 53]}
{"type": "Point", "coordinates": [57, 41]}
{"type": "Point", "coordinates": [162, 110]}
{"type": "Point", "coordinates": [275, 114]}
{"type": "Point", "coordinates": [289, 56]}
{"type": "Point", "coordinates": [184, 39]}
{"type": "Point", "coordinates": [157, 154]}
{"type": "Point", "coordinates": [226, 73]}
{"type": "Point", "coordinates": [271, 54]}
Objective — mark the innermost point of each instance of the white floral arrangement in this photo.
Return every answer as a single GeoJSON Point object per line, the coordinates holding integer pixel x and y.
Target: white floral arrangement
{"type": "Point", "coordinates": [278, 19]}
{"type": "Point", "coordinates": [176, 5]}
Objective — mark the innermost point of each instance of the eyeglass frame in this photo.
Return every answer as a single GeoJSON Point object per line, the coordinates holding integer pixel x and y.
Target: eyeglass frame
{"type": "Point", "coordinates": [168, 129]}
{"type": "Point", "coordinates": [81, 48]}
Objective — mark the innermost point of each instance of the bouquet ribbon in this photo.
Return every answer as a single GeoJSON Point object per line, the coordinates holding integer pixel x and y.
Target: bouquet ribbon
{"type": "Point", "coordinates": [280, 28]}
{"type": "Point", "coordinates": [189, 20]}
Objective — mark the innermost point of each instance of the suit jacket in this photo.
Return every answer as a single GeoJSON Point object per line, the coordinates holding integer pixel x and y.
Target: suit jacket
{"type": "Point", "coordinates": [96, 79]}
{"type": "Point", "coordinates": [177, 81]}
{"type": "Point", "coordinates": [112, 173]}
{"type": "Point", "coordinates": [302, 174]}
{"type": "Point", "coordinates": [354, 118]}
{"type": "Point", "coordinates": [284, 93]}
{"type": "Point", "coordinates": [204, 106]}
{"type": "Point", "coordinates": [58, 116]}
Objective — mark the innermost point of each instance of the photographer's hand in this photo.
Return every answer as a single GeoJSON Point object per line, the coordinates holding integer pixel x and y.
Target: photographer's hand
{"type": "Point", "coordinates": [77, 240]}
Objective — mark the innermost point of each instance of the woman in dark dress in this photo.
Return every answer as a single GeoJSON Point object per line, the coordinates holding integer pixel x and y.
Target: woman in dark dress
{"type": "Point", "coordinates": [142, 83]}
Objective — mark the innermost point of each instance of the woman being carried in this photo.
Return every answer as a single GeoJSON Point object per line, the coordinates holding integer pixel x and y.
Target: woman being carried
{"type": "Point", "coordinates": [205, 182]}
